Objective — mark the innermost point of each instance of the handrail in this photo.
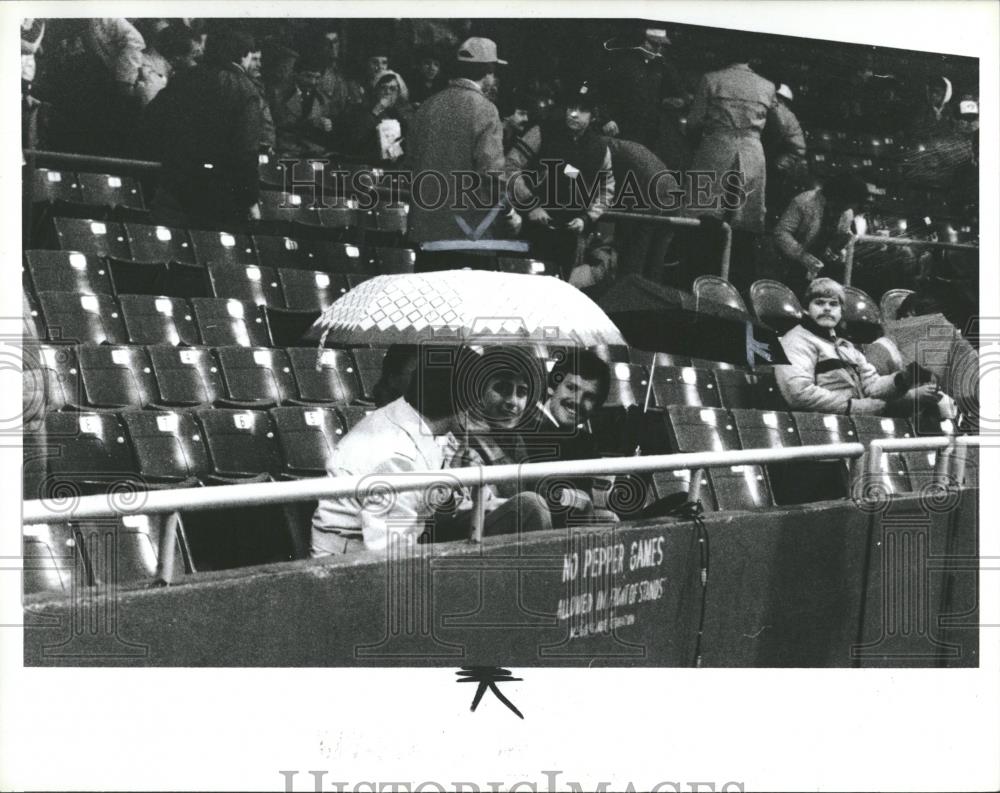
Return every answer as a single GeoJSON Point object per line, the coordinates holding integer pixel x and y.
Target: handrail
{"type": "Point", "coordinates": [948, 445]}
{"type": "Point", "coordinates": [100, 163]}
{"type": "Point", "coordinates": [167, 501]}
{"type": "Point", "coordinates": [900, 241]}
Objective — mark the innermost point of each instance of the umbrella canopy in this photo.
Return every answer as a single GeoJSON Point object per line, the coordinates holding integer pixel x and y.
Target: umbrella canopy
{"type": "Point", "coordinates": [662, 319]}
{"type": "Point", "coordinates": [466, 306]}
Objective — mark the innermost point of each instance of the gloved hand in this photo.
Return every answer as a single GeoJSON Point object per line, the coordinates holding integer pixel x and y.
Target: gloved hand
{"type": "Point", "coordinates": [911, 376]}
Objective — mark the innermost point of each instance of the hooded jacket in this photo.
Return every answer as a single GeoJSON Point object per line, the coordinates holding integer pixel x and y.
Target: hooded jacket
{"type": "Point", "coordinates": [827, 374]}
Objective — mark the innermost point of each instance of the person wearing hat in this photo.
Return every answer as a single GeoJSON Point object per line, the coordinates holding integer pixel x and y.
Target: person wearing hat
{"type": "Point", "coordinates": [302, 113]}
{"type": "Point", "coordinates": [458, 129]}
{"type": "Point", "coordinates": [375, 130]}
{"type": "Point", "coordinates": [572, 183]}
{"type": "Point", "coordinates": [828, 374]}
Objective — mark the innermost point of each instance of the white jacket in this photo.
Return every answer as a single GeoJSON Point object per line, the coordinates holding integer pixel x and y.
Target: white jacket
{"type": "Point", "coordinates": [830, 375]}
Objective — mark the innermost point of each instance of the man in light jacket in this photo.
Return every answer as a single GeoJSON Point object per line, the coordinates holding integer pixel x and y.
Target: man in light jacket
{"type": "Point", "coordinates": [827, 374]}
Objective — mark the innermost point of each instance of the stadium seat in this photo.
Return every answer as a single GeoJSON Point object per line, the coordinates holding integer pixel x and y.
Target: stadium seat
{"type": "Point", "coordinates": [158, 320]}
{"type": "Point", "coordinates": [159, 244]}
{"type": "Point", "coordinates": [717, 290]}
{"type": "Point", "coordinates": [92, 454]}
{"type": "Point", "coordinates": [222, 247]}
{"type": "Point", "coordinates": [353, 280]}
{"type": "Point", "coordinates": [766, 394]}
{"type": "Point", "coordinates": [169, 448]}
{"type": "Point", "coordinates": [629, 385]}
{"type": "Point", "coordinates": [81, 319]}
{"type": "Point", "coordinates": [280, 252]}
{"type": "Point", "coordinates": [335, 382]}
{"type": "Point", "coordinates": [775, 305]}
{"type": "Point", "coordinates": [279, 212]}
{"type": "Point", "coordinates": [121, 195]}
{"type": "Point", "coordinates": [255, 377]}
{"type": "Point", "coordinates": [34, 314]}
{"type": "Point", "coordinates": [736, 387]}
{"type": "Point", "coordinates": [861, 316]}
{"type": "Point", "coordinates": [816, 429]}
{"type": "Point", "coordinates": [684, 385]}
{"type": "Point", "coordinates": [339, 217]}
{"type": "Point", "coordinates": [352, 414]}
{"type": "Point", "coordinates": [307, 436]}
{"type": "Point", "coordinates": [655, 359]}
{"type": "Point", "coordinates": [368, 361]}
{"type": "Point", "coordinates": [116, 377]}
{"type": "Point", "coordinates": [310, 290]}
{"type": "Point", "coordinates": [147, 278]}
{"type": "Point", "coordinates": [186, 376]}
{"type": "Point", "coordinates": [224, 322]}
{"type": "Point", "coordinates": [895, 476]}
{"type": "Point", "coordinates": [63, 389]}
{"type": "Point", "coordinates": [125, 551]}
{"type": "Point", "coordinates": [891, 301]}
{"type": "Point", "coordinates": [67, 271]}
{"type": "Point", "coordinates": [695, 429]}
{"type": "Point", "coordinates": [94, 237]}
{"type": "Point", "coordinates": [52, 556]}
{"type": "Point", "coordinates": [384, 225]}
{"type": "Point", "coordinates": [248, 282]}
{"type": "Point", "coordinates": [241, 444]}
{"type": "Point", "coordinates": [271, 172]}
{"type": "Point", "coordinates": [56, 190]}
{"type": "Point", "coordinates": [335, 257]}
{"type": "Point", "coordinates": [390, 261]}
{"type": "Point", "coordinates": [617, 429]}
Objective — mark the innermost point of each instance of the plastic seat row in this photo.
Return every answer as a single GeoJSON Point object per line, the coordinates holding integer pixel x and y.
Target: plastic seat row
{"type": "Point", "coordinates": [136, 242]}
{"type": "Point", "coordinates": [95, 193]}
{"type": "Point", "coordinates": [110, 377]}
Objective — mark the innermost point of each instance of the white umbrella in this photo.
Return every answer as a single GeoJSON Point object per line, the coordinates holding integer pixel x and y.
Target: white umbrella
{"type": "Point", "coordinates": [468, 306]}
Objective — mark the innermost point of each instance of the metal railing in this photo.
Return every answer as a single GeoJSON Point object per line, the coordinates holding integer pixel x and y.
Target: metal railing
{"type": "Point", "coordinates": [897, 241]}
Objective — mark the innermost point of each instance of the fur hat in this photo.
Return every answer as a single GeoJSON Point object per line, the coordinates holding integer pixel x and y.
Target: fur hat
{"type": "Point", "coordinates": [824, 287]}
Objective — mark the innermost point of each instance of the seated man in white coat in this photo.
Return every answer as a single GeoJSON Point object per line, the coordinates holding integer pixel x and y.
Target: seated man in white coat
{"type": "Point", "coordinates": [828, 374]}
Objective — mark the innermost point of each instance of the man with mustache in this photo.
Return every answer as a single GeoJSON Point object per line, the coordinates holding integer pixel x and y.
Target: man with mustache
{"type": "Point", "coordinates": [827, 374]}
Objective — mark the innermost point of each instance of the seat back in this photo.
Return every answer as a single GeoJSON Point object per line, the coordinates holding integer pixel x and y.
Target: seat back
{"type": "Point", "coordinates": [336, 257]}
{"type": "Point", "coordinates": [394, 260]}
{"type": "Point", "coordinates": [307, 436]}
{"type": "Point", "coordinates": [92, 453]}
{"type": "Point", "coordinates": [310, 290]}
{"type": "Point", "coordinates": [329, 377]}
{"type": "Point", "coordinates": [684, 385]}
{"type": "Point", "coordinates": [226, 322]}
{"type": "Point", "coordinates": [222, 247]}
{"type": "Point", "coordinates": [717, 290]}
{"type": "Point", "coordinates": [736, 387]}
{"type": "Point", "coordinates": [629, 385]}
{"type": "Point", "coordinates": [241, 443]}
{"type": "Point", "coordinates": [159, 244]}
{"type": "Point", "coordinates": [276, 251]}
{"type": "Point", "coordinates": [50, 185]}
{"type": "Point", "coordinates": [116, 376]}
{"type": "Point", "coordinates": [775, 305]}
{"type": "Point", "coordinates": [186, 376]}
{"type": "Point", "coordinates": [168, 445]}
{"type": "Point", "coordinates": [249, 282]}
{"type": "Point", "coordinates": [257, 374]}
{"type": "Point", "coordinates": [894, 475]}
{"type": "Point", "coordinates": [94, 237]}
{"type": "Point", "coordinates": [766, 394]}
{"type": "Point", "coordinates": [80, 319]}
{"type": "Point", "coordinates": [153, 319]}
{"type": "Point", "coordinates": [68, 271]}
{"type": "Point", "coordinates": [126, 550]}
{"type": "Point", "coordinates": [861, 316]}
{"type": "Point", "coordinates": [696, 429]}
{"type": "Point", "coordinates": [110, 190]}
{"type": "Point", "coordinates": [62, 376]}
{"type": "Point", "coordinates": [891, 301]}
{"type": "Point", "coordinates": [52, 557]}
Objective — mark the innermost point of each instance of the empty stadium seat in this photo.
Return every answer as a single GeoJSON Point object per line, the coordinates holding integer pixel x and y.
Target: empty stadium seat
{"type": "Point", "coordinates": [68, 271]}
{"type": "Point", "coordinates": [335, 257]}
{"type": "Point", "coordinates": [891, 301]}
{"type": "Point", "coordinates": [112, 192]}
{"type": "Point", "coordinates": [186, 376]}
{"type": "Point", "coordinates": [63, 389]}
{"type": "Point", "coordinates": [310, 290]}
{"type": "Point", "coordinates": [116, 377]}
{"type": "Point", "coordinates": [55, 188]}
{"type": "Point", "coordinates": [340, 216]}
{"type": "Point", "coordinates": [169, 447]}
{"type": "Point", "coordinates": [159, 244]}
{"type": "Point", "coordinates": [95, 237]}
{"type": "Point", "coordinates": [258, 377]}
{"type": "Point", "coordinates": [394, 260]}
{"type": "Point", "coordinates": [766, 394]}
{"type": "Point", "coordinates": [817, 429]}
{"type": "Point", "coordinates": [241, 444]}
{"type": "Point", "coordinates": [616, 429]}
{"type": "Point", "coordinates": [307, 436]}
{"type": "Point", "coordinates": [224, 322]}
{"type": "Point", "coordinates": [652, 360]}
{"type": "Point", "coordinates": [736, 388]}
{"type": "Point", "coordinates": [279, 211]}
{"type": "Point", "coordinates": [629, 385]}
{"type": "Point", "coordinates": [275, 251]}
{"type": "Point", "coordinates": [33, 314]}
{"type": "Point", "coordinates": [894, 477]}
{"type": "Point", "coordinates": [52, 556]}
{"type": "Point", "coordinates": [684, 385]}
{"type": "Point", "coordinates": [695, 429]}
{"type": "Point", "coordinates": [368, 364]}
{"type": "Point", "coordinates": [80, 319]}
{"type": "Point", "coordinates": [92, 454]}
{"type": "Point", "coordinates": [125, 551]}
{"type": "Point", "coordinates": [717, 290]}
{"type": "Point", "coordinates": [861, 316]}
{"type": "Point", "coordinates": [334, 382]}
{"type": "Point", "coordinates": [153, 319]}
{"type": "Point", "coordinates": [384, 224]}
{"type": "Point", "coordinates": [775, 305]}
{"type": "Point", "coordinates": [248, 282]}
{"type": "Point", "coordinates": [222, 247]}
{"type": "Point", "coordinates": [352, 414]}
